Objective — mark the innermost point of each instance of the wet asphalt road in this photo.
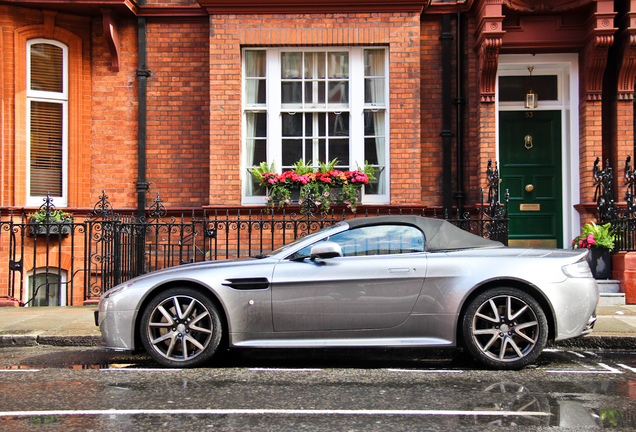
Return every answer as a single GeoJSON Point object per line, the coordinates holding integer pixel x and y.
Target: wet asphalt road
{"type": "Point", "coordinates": [57, 388]}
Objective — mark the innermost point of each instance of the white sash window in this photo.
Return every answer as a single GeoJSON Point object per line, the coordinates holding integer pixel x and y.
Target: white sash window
{"type": "Point", "coordinates": [316, 104]}
{"type": "Point", "coordinates": [47, 121]}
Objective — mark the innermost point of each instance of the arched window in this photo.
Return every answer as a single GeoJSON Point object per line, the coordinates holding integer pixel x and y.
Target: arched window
{"type": "Point", "coordinates": [46, 287]}
{"type": "Point", "coordinates": [47, 121]}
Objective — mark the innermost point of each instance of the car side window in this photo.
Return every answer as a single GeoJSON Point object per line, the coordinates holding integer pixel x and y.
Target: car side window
{"type": "Point", "coordinates": [380, 240]}
{"type": "Point", "coordinates": [375, 240]}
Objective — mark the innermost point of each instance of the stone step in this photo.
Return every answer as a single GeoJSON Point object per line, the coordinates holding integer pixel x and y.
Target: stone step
{"type": "Point", "coordinates": [611, 299]}
{"type": "Point", "coordinates": [610, 293]}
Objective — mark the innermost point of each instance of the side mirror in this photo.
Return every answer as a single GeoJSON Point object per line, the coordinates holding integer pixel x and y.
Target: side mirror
{"type": "Point", "coordinates": [326, 249]}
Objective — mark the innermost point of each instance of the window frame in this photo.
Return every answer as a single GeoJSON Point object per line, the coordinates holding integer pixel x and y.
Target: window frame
{"type": "Point", "coordinates": [61, 98]}
{"type": "Point", "coordinates": [61, 284]}
{"type": "Point", "coordinates": [273, 108]}
{"type": "Point", "coordinates": [368, 235]}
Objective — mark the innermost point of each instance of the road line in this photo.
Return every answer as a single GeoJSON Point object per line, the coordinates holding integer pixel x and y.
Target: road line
{"type": "Point", "coordinates": [608, 370]}
{"type": "Point", "coordinates": [283, 370]}
{"type": "Point", "coordinates": [285, 412]}
{"type": "Point", "coordinates": [631, 369]}
{"type": "Point", "coordinates": [576, 354]}
{"type": "Point", "coordinates": [138, 370]}
{"type": "Point", "coordinates": [19, 370]}
{"type": "Point", "coordinates": [425, 371]}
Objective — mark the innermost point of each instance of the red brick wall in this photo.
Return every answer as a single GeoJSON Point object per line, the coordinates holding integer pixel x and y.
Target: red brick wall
{"type": "Point", "coordinates": [431, 95]}
{"type": "Point", "coordinates": [228, 33]}
{"type": "Point", "coordinates": [178, 112]}
{"type": "Point", "coordinates": [114, 116]}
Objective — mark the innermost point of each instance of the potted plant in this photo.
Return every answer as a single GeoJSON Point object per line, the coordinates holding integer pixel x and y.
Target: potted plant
{"type": "Point", "coordinates": [50, 221]}
{"type": "Point", "coordinates": [599, 239]}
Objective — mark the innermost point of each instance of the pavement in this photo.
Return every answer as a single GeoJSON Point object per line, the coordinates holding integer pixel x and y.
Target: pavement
{"type": "Point", "coordinates": [615, 327]}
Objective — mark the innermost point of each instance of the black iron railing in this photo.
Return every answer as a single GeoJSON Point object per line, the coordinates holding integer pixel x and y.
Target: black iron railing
{"type": "Point", "coordinates": [621, 217]}
{"type": "Point", "coordinates": [53, 266]}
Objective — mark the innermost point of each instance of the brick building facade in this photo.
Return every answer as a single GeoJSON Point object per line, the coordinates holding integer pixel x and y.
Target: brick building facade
{"type": "Point", "coordinates": [181, 98]}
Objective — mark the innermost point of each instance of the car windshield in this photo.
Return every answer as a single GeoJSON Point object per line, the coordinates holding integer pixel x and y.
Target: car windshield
{"type": "Point", "coordinates": [298, 240]}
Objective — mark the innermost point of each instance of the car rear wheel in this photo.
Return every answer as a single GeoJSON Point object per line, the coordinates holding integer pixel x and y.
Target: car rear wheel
{"type": "Point", "coordinates": [505, 328]}
{"type": "Point", "coordinates": [181, 327]}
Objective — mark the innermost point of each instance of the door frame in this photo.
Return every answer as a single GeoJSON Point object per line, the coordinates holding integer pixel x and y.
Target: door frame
{"type": "Point", "coordinates": [565, 66]}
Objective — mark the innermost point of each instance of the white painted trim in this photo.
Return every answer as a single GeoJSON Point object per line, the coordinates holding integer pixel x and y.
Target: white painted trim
{"type": "Point", "coordinates": [566, 67]}
{"type": "Point", "coordinates": [53, 271]}
{"type": "Point", "coordinates": [356, 109]}
{"type": "Point", "coordinates": [52, 97]}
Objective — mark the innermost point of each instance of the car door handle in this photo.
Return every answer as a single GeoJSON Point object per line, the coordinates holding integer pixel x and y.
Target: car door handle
{"type": "Point", "coordinates": [399, 270]}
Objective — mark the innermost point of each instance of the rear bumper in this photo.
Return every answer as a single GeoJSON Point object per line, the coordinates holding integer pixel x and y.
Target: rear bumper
{"type": "Point", "coordinates": [575, 307]}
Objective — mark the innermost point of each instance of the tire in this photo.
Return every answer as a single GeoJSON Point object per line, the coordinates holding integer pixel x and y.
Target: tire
{"type": "Point", "coordinates": [505, 328]}
{"type": "Point", "coordinates": [181, 327]}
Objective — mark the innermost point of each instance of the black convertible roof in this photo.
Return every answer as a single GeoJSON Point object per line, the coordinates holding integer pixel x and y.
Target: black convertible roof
{"type": "Point", "coordinates": [440, 234]}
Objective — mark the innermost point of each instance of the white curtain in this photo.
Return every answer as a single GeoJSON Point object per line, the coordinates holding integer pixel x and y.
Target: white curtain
{"type": "Point", "coordinates": [255, 76]}
{"type": "Point", "coordinates": [375, 96]}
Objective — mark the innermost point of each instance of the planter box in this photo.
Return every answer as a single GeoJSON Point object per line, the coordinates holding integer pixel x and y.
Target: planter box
{"type": "Point", "coordinates": [63, 229]}
{"type": "Point", "coordinates": [294, 197]}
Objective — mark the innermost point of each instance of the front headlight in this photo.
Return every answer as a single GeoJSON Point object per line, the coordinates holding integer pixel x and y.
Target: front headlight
{"type": "Point", "coordinates": [116, 290]}
{"type": "Point", "coordinates": [578, 269]}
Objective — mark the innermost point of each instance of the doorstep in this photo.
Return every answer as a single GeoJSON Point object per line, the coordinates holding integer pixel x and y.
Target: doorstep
{"type": "Point", "coordinates": [610, 294]}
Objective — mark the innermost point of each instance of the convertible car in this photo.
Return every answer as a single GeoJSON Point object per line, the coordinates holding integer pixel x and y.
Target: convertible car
{"type": "Point", "coordinates": [389, 281]}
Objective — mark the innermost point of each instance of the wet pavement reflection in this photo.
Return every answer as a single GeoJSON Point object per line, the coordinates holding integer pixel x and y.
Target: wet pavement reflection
{"type": "Point", "coordinates": [84, 389]}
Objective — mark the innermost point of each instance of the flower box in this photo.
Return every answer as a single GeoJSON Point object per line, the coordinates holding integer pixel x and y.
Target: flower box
{"type": "Point", "coordinates": [50, 221]}
{"type": "Point", "coordinates": [53, 228]}
{"type": "Point", "coordinates": [321, 189]}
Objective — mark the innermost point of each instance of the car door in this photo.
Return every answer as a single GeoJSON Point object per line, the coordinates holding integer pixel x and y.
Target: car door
{"type": "Point", "coordinates": [374, 285]}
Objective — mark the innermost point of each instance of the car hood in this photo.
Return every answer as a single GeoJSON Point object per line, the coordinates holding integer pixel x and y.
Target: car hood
{"type": "Point", "coordinates": [203, 265]}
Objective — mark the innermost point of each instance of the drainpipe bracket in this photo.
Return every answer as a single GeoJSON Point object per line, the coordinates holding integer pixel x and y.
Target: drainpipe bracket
{"type": "Point", "coordinates": [142, 186]}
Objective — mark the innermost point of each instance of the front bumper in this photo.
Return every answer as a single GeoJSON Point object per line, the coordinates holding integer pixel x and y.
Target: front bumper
{"type": "Point", "coordinates": [117, 327]}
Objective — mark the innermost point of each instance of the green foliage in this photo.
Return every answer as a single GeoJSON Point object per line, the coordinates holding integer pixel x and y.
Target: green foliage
{"type": "Point", "coordinates": [592, 235]}
{"type": "Point", "coordinates": [54, 215]}
{"type": "Point", "coordinates": [320, 183]}
{"type": "Point", "coordinates": [257, 172]}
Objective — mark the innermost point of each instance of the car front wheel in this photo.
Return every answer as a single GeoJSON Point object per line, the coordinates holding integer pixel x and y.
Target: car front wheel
{"type": "Point", "coordinates": [181, 327]}
{"type": "Point", "coordinates": [505, 328]}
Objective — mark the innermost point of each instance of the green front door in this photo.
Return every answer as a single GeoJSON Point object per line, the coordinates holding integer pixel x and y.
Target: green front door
{"type": "Point", "coordinates": [530, 168]}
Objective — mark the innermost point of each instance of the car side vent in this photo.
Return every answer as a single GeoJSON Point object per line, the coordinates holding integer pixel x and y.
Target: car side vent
{"type": "Point", "coordinates": [247, 283]}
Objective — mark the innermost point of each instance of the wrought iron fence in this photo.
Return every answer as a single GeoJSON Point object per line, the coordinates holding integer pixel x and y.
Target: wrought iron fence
{"type": "Point", "coordinates": [70, 262]}
{"type": "Point", "coordinates": [622, 218]}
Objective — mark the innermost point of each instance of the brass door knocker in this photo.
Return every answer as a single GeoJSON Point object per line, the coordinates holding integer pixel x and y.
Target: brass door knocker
{"type": "Point", "coordinates": [528, 142]}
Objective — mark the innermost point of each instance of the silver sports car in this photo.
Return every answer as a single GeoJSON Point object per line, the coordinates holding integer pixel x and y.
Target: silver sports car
{"type": "Point", "coordinates": [391, 281]}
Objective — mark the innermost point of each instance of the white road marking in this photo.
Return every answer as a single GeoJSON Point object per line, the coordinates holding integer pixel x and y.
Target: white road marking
{"type": "Point", "coordinates": [576, 354]}
{"type": "Point", "coordinates": [631, 369]}
{"type": "Point", "coordinates": [19, 370]}
{"type": "Point", "coordinates": [425, 371]}
{"type": "Point", "coordinates": [138, 370]}
{"type": "Point", "coordinates": [291, 412]}
{"type": "Point", "coordinates": [283, 370]}
{"type": "Point", "coordinates": [607, 370]}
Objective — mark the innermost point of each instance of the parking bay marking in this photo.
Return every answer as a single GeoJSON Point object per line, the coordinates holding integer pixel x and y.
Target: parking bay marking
{"type": "Point", "coordinates": [605, 370]}
{"type": "Point", "coordinates": [424, 371]}
{"type": "Point", "coordinates": [286, 412]}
